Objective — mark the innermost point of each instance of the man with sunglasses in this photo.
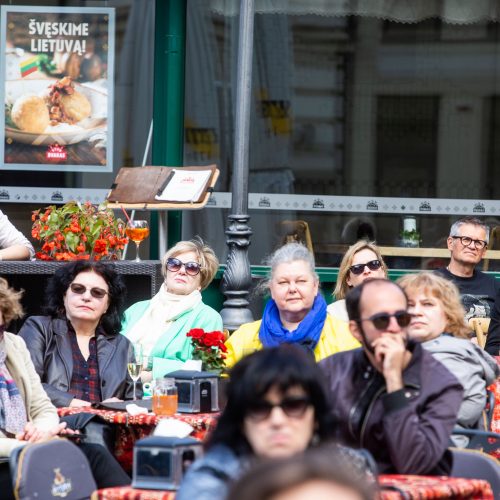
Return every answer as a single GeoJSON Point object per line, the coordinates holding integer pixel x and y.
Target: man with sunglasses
{"type": "Point", "coordinates": [391, 396]}
{"type": "Point", "coordinates": [468, 242]}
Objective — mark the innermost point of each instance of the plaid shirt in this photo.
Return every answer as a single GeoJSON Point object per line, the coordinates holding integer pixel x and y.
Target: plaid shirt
{"type": "Point", "coordinates": [85, 383]}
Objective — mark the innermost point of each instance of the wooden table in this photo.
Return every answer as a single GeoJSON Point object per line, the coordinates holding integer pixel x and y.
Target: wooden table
{"type": "Point", "coordinates": [131, 428]}
{"type": "Point", "coordinates": [403, 487]}
{"type": "Point", "coordinates": [422, 252]}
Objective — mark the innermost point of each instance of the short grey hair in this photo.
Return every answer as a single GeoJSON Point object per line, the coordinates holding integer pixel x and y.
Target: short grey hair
{"type": "Point", "coordinates": [290, 252]}
{"type": "Point", "coordinates": [473, 221]}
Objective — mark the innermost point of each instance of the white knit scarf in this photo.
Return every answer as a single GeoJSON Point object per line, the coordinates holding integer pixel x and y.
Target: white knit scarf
{"type": "Point", "coordinates": [164, 308]}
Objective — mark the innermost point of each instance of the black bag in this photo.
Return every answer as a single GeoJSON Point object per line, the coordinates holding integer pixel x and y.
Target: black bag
{"type": "Point", "coordinates": [51, 469]}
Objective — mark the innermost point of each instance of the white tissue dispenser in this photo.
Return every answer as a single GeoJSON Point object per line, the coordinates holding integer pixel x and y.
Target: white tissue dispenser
{"type": "Point", "coordinates": [198, 392]}
{"type": "Point", "coordinates": [160, 462]}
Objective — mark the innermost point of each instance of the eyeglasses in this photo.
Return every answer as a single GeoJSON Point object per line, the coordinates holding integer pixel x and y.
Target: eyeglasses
{"type": "Point", "coordinates": [192, 268]}
{"type": "Point", "coordinates": [97, 293]}
{"type": "Point", "coordinates": [373, 265]}
{"type": "Point", "coordinates": [466, 241]}
{"type": "Point", "coordinates": [293, 407]}
{"type": "Point", "coordinates": [381, 321]}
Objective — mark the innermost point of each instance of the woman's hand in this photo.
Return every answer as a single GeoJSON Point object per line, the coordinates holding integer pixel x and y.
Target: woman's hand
{"type": "Point", "coordinates": [34, 435]}
{"type": "Point", "coordinates": [79, 403]}
{"type": "Point", "coordinates": [146, 376]}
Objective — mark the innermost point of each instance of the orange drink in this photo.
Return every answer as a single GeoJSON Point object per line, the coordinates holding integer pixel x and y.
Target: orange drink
{"type": "Point", "coordinates": [137, 234]}
{"type": "Point", "coordinates": [164, 404]}
{"type": "Point", "coordinates": [164, 397]}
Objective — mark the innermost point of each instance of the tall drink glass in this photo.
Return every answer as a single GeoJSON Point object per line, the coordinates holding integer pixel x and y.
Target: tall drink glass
{"type": "Point", "coordinates": [137, 230]}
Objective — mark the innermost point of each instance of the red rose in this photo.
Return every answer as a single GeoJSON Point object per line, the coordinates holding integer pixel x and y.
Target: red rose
{"type": "Point", "coordinates": [196, 333]}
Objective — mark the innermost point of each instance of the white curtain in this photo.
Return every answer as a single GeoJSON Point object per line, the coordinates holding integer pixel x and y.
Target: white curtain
{"type": "Point", "coordinates": [406, 11]}
{"type": "Point", "coordinates": [134, 82]}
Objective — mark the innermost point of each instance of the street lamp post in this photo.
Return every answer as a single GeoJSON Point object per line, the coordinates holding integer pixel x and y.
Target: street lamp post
{"type": "Point", "coordinates": [237, 279]}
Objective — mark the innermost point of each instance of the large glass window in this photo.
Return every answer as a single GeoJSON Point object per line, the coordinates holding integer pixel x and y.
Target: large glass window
{"type": "Point", "coordinates": [359, 118]}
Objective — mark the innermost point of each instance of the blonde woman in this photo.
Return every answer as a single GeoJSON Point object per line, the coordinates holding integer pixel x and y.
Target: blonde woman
{"type": "Point", "coordinates": [160, 324]}
{"type": "Point", "coordinates": [438, 323]}
{"type": "Point", "coordinates": [362, 260]}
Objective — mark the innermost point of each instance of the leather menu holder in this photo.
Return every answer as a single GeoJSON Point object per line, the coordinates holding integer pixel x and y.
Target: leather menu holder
{"type": "Point", "coordinates": [139, 186]}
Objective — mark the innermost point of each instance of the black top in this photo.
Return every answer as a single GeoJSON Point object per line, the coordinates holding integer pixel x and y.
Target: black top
{"type": "Point", "coordinates": [493, 339]}
{"type": "Point", "coordinates": [478, 292]}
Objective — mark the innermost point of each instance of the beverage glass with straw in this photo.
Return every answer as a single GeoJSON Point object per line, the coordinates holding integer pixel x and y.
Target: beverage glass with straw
{"type": "Point", "coordinates": [137, 230]}
{"type": "Point", "coordinates": [135, 365]}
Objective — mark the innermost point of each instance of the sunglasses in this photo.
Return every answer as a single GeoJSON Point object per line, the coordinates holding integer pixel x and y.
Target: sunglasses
{"type": "Point", "coordinates": [97, 293]}
{"type": "Point", "coordinates": [192, 268]}
{"type": "Point", "coordinates": [293, 407]}
{"type": "Point", "coordinates": [381, 321]}
{"type": "Point", "coordinates": [373, 265]}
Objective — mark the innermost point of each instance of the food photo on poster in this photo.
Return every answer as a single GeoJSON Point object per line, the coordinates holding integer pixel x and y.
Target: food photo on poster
{"type": "Point", "coordinates": [57, 86]}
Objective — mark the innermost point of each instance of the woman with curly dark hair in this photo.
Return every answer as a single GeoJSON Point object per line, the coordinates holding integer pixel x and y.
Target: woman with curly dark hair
{"type": "Point", "coordinates": [77, 349]}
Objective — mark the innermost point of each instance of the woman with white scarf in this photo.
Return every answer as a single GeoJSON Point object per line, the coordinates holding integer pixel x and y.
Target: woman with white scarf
{"type": "Point", "coordinates": [160, 324]}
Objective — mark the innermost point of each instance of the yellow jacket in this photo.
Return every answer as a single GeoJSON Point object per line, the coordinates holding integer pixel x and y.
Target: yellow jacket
{"type": "Point", "coordinates": [335, 337]}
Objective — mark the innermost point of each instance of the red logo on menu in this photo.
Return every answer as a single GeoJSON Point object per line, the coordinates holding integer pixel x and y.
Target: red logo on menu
{"type": "Point", "coordinates": [56, 153]}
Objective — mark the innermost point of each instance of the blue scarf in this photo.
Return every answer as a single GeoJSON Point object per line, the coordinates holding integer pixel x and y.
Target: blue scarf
{"type": "Point", "coordinates": [272, 333]}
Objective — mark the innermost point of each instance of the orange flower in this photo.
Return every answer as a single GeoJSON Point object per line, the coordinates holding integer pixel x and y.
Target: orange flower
{"type": "Point", "coordinates": [77, 230]}
{"type": "Point", "coordinates": [100, 246]}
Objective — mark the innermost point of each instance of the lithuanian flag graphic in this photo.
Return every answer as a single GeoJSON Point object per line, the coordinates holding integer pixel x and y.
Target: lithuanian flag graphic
{"type": "Point", "coordinates": [29, 66]}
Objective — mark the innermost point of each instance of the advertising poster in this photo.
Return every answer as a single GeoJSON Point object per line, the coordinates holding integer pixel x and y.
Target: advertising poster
{"type": "Point", "coordinates": [57, 84]}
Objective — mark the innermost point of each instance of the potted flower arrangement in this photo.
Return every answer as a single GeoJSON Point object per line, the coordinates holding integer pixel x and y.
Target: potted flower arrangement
{"type": "Point", "coordinates": [410, 238]}
{"type": "Point", "coordinates": [78, 231]}
{"type": "Point", "coordinates": [209, 348]}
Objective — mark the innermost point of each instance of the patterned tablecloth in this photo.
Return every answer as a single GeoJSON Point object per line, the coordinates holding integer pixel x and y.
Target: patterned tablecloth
{"type": "Point", "coordinates": [495, 423]}
{"type": "Point", "coordinates": [131, 494]}
{"type": "Point", "coordinates": [402, 487]}
{"type": "Point", "coordinates": [427, 487]}
{"type": "Point", "coordinates": [131, 428]}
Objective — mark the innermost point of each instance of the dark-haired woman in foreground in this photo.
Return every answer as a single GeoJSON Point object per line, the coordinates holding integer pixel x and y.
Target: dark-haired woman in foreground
{"type": "Point", "coordinates": [276, 407]}
{"type": "Point", "coordinates": [77, 350]}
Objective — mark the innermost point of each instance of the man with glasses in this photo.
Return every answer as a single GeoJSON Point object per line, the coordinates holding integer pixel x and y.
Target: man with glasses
{"type": "Point", "coordinates": [468, 242]}
{"type": "Point", "coordinates": [391, 396]}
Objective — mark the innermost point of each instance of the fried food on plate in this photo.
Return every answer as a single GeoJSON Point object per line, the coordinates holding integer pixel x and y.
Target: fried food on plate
{"type": "Point", "coordinates": [30, 114]}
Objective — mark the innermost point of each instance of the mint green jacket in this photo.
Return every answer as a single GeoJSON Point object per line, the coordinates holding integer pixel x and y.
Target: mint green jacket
{"type": "Point", "coordinates": [173, 347]}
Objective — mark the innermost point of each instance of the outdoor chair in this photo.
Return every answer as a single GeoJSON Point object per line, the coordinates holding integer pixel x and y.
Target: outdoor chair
{"type": "Point", "coordinates": [472, 464]}
{"type": "Point", "coordinates": [480, 327]}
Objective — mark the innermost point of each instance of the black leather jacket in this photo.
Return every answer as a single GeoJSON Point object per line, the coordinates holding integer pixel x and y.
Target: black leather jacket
{"type": "Point", "coordinates": [50, 348]}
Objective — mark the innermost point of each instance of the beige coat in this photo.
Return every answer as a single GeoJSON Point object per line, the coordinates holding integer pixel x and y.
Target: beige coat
{"type": "Point", "coordinates": [39, 409]}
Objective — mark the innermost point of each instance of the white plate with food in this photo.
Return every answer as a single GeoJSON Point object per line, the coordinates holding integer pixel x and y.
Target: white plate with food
{"type": "Point", "coordinates": [39, 113]}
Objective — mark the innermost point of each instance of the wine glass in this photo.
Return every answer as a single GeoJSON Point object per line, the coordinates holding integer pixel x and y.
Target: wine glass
{"type": "Point", "coordinates": [135, 366]}
{"type": "Point", "coordinates": [137, 230]}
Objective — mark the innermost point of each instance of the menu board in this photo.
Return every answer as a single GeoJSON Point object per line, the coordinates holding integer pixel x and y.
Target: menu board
{"type": "Point", "coordinates": [57, 84]}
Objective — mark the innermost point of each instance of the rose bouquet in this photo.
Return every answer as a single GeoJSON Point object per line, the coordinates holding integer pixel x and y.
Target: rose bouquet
{"type": "Point", "coordinates": [78, 231]}
{"type": "Point", "coordinates": [209, 348]}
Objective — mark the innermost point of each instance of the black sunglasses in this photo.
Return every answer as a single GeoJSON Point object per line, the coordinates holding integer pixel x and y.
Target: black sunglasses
{"type": "Point", "coordinates": [192, 268]}
{"type": "Point", "coordinates": [97, 293]}
{"type": "Point", "coordinates": [381, 321]}
{"type": "Point", "coordinates": [373, 265]}
{"type": "Point", "coordinates": [293, 407]}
